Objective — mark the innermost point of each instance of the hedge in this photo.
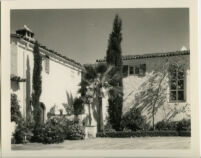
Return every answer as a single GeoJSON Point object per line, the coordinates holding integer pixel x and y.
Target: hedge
{"type": "Point", "coordinates": [122, 134]}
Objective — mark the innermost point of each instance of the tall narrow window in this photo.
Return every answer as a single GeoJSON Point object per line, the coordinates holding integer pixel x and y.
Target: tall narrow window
{"type": "Point", "coordinates": [125, 70]}
{"type": "Point", "coordinates": [177, 82]}
{"type": "Point", "coordinates": [131, 70]}
{"type": "Point", "coordinates": [142, 70]}
{"type": "Point", "coordinates": [47, 65]}
{"type": "Point", "coordinates": [137, 70]}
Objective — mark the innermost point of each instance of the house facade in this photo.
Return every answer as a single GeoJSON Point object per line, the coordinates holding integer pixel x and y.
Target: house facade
{"type": "Point", "coordinates": [159, 80]}
{"type": "Point", "coordinates": [61, 76]}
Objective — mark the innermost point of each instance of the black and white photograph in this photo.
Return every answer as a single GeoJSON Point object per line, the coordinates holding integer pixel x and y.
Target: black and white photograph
{"type": "Point", "coordinates": [100, 79]}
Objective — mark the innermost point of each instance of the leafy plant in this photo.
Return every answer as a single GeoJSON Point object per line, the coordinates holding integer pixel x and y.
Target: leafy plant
{"type": "Point", "coordinates": [78, 106]}
{"type": "Point", "coordinates": [23, 132]}
{"type": "Point", "coordinates": [133, 120]}
{"type": "Point", "coordinates": [16, 115]}
{"type": "Point", "coordinates": [75, 131]}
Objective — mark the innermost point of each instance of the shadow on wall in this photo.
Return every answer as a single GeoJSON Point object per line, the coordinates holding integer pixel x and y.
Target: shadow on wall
{"type": "Point", "coordinates": [69, 103]}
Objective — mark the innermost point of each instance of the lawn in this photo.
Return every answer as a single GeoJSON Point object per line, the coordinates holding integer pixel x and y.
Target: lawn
{"type": "Point", "coordinates": [113, 143]}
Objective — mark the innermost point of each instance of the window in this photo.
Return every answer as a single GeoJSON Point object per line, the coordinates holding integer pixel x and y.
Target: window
{"type": "Point", "coordinates": [142, 69]}
{"type": "Point", "coordinates": [137, 70]}
{"type": "Point", "coordinates": [125, 70]}
{"type": "Point", "coordinates": [131, 70]}
{"type": "Point", "coordinates": [47, 65]}
{"type": "Point", "coordinates": [177, 83]}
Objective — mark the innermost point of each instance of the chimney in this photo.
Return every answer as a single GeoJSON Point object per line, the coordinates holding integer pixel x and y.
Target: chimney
{"type": "Point", "coordinates": [26, 32]}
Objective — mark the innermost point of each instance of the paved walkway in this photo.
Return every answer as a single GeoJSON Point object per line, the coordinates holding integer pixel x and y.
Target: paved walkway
{"type": "Point", "coordinates": [113, 143]}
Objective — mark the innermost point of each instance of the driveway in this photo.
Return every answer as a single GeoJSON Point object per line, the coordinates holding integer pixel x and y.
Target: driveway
{"type": "Point", "coordinates": [112, 143]}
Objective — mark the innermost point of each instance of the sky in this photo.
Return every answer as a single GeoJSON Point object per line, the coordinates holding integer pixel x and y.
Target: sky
{"type": "Point", "coordinates": [82, 34]}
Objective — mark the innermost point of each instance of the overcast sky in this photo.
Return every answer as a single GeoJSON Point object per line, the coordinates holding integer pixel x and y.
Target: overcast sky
{"type": "Point", "coordinates": [83, 34]}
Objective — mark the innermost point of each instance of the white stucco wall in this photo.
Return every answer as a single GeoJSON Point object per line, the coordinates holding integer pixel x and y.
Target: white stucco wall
{"type": "Point", "coordinates": [133, 84]}
{"type": "Point", "coordinates": [63, 78]}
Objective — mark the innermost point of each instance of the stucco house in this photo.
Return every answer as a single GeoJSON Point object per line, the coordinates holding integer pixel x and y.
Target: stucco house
{"type": "Point", "coordinates": [147, 81]}
{"type": "Point", "coordinates": [61, 76]}
{"type": "Point", "coordinates": [161, 80]}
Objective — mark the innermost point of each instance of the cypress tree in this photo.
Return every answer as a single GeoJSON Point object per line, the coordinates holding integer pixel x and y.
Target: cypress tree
{"type": "Point", "coordinates": [114, 58]}
{"type": "Point", "coordinates": [37, 82]}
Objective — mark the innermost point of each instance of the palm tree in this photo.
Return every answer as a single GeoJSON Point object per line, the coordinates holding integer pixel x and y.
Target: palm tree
{"type": "Point", "coordinates": [95, 79]}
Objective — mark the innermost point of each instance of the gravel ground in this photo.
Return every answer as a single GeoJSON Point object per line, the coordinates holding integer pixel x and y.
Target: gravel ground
{"type": "Point", "coordinates": [112, 143]}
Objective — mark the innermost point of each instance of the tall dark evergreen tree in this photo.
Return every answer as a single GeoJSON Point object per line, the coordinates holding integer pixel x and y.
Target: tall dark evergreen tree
{"type": "Point", "coordinates": [37, 82]}
{"type": "Point", "coordinates": [114, 58]}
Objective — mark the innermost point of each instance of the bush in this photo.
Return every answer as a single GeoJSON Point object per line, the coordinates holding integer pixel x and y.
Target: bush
{"type": "Point", "coordinates": [108, 128]}
{"type": "Point", "coordinates": [22, 133]}
{"type": "Point", "coordinates": [133, 120]}
{"type": "Point", "coordinates": [123, 134]}
{"type": "Point", "coordinates": [182, 125]}
{"type": "Point", "coordinates": [78, 106]}
{"type": "Point", "coordinates": [57, 129]}
{"type": "Point", "coordinates": [16, 115]}
{"type": "Point", "coordinates": [75, 131]}
{"type": "Point", "coordinates": [50, 132]}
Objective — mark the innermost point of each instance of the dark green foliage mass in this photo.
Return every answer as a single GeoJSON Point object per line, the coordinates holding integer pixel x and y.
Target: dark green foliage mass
{"type": "Point", "coordinates": [114, 58]}
{"type": "Point", "coordinates": [37, 84]}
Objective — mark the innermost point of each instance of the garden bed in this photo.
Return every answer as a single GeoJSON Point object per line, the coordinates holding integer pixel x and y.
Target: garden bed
{"type": "Point", "coordinates": [123, 134]}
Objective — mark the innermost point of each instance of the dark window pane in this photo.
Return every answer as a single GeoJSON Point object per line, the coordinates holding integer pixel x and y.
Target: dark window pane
{"type": "Point", "coordinates": [142, 69]}
{"type": "Point", "coordinates": [180, 95]}
{"type": "Point", "coordinates": [181, 74]}
{"type": "Point", "coordinates": [181, 84]}
{"type": "Point", "coordinates": [173, 95]}
{"type": "Point", "coordinates": [131, 70]}
{"type": "Point", "coordinates": [137, 70]}
{"type": "Point", "coordinates": [173, 85]}
{"type": "Point", "coordinates": [125, 70]}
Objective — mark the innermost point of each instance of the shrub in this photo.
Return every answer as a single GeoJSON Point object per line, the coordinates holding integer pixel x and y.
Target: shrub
{"type": "Point", "coordinates": [184, 125]}
{"type": "Point", "coordinates": [57, 129]}
{"type": "Point", "coordinates": [181, 125]}
{"type": "Point", "coordinates": [108, 128]}
{"type": "Point", "coordinates": [50, 132]}
{"type": "Point", "coordinates": [22, 133]}
{"type": "Point", "coordinates": [75, 131]}
{"type": "Point", "coordinates": [16, 115]}
{"type": "Point", "coordinates": [133, 120]}
{"type": "Point", "coordinates": [123, 134]}
{"type": "Point", "coordinates": [78, 106]}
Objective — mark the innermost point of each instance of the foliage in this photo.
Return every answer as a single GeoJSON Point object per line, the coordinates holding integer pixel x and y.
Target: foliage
{"type": "Point", "coordinates": [51, 112]}
{"type": "Point", "coordinates": [123, 134]}
{"type": "Point", "coordinates": [16, 115]}
{"type": "Point", "coordinates": [78, 106]}
{"type": "Point", "coordinates": [57, 129]}
{"type": "Point", "coordinates": [115, 111]}
{"type": "Point", "coordinates": [113, 57]}
{"type": "Point", "coordinates": [182, 125]}
{"type": "Point", "coordinates": [113, 54]}
{"type": "Point", "coordinates": [75, 131]}
{"type": "Point", "coordinates": [23, 132]}
{"type": "Point", "coordinates": [108, 128]}
{"type": "Point", "coordinates": [133, 120]}
{"type": "Point", "coordinates": [37, 82]}
{"type": "Point", "coordinates": [50, 132]}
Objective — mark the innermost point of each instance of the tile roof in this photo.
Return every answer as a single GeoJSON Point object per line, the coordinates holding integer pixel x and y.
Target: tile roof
{"type": "Point", "coordinates": [68, 60]}
{"type": "Point", "coordinates": [152, 55]}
